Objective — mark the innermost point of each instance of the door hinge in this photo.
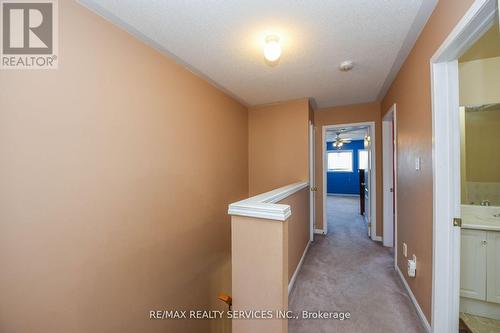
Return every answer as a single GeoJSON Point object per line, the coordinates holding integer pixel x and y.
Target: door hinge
{"type": "Point", "coordinates": [457, 222]}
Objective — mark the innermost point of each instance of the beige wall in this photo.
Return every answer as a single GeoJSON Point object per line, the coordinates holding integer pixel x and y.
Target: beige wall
{"type": "Point", "coordinates": [347, 115]}
{"type": "Point", "coordinates": [278, 145]}
{"type": "Point", "coordinates": [298, 228]}
{"type": "Point", "coordinates": [479, 81]}
{"type": "Point", "coordinates": [259, 271]}
{"type": "Point", "coordinates": [114, 187]}
{"type": "Point", "coordinates": [265, 254]}
{"type": "Point", "coordinates": [411, 91]}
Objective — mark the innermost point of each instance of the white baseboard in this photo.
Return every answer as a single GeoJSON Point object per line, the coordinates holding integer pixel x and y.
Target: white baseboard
{"type": "Point", "coordinates": [420, 313]}
{"type": "Point", "coordinates": [377, 238]}
{"type": "Point", "coordinates": [319, 231]}
{"type": "Point", "coordinates": [294, 276]}
{"type": "Point", "coordinates": [480, 308]}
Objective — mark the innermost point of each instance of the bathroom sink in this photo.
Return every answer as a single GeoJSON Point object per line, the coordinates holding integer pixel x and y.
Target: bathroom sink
{"type": "Point", "coordinates": [481, 217]}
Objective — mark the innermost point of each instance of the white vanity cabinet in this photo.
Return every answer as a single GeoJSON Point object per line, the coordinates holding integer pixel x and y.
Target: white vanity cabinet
{"type": "Point", "coordinates": [493, 267]}
{"type": "Point", "coordinates": [480, 265]}
{"type": "Point", "coordinates": [473, 264]}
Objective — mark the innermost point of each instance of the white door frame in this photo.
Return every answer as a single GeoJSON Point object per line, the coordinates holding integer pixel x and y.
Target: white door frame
{"type": "Point", "coordinates": [312, 181]}
{"type": "Point", "coordinates": [373, 176]}
{"type": "Point", "coordinates": [446, 162]}
{"type": "Point", "coordinates": [389, 170]}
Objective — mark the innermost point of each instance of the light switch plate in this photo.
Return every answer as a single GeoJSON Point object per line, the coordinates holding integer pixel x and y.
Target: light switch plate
{"type": "Point", "coordinates": [417, 163]}
{"type": "Point", "coordinates": [405, 250]}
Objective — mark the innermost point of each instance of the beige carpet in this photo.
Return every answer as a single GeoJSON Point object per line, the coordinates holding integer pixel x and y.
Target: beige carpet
{"type": "Point", "coordinates": [345, 271]}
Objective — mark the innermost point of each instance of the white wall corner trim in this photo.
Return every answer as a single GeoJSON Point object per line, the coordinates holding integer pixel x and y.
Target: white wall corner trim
{"type": "Point", "coordinates": [264, 206]}
{"type": "Point", "coordinates": [299, 266]}
{"type": "Point", "coordinates": [420, 313]}
{"type": "Point", "coordinates": [446, 162]}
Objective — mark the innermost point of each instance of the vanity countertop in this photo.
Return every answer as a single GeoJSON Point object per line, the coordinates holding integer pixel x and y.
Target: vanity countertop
{"type": "Point", "coordinates": [481, 218]}
{"type": "Point", "coordinates": [481, 226]}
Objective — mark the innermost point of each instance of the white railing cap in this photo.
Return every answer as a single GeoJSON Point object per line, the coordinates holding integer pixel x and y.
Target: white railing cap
{"type": "Point", "coordinates": [264, 205]}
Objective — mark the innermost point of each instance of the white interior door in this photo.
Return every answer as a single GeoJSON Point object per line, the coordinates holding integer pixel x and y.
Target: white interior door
{"type": "Point", "coordinates": [388, 178]}
{"type": "Point", "coordinates": [312, 181]}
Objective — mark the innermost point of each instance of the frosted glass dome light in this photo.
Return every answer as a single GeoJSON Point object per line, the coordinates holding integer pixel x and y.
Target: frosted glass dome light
{"type": "Point", "coordinates": [272, 48]}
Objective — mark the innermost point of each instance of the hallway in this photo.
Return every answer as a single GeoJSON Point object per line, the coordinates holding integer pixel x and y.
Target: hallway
{"type": "Point", "coordinates": [346, 271]}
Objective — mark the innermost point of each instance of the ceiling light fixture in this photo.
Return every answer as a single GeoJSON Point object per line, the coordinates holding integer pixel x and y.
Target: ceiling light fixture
{"type": "Point", "coordinates": [272, 48]}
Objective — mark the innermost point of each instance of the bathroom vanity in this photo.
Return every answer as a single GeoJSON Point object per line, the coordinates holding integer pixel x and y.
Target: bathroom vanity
{"type": "Point", "coordinates": [480, 261]}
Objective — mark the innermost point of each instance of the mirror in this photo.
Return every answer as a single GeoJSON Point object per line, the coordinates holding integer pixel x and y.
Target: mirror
{"type": "Point", "coordinates": [480, 154]}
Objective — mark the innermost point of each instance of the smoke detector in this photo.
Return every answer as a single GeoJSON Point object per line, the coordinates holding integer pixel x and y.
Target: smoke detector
{"type": "Point", "coordinates": [346, 66]}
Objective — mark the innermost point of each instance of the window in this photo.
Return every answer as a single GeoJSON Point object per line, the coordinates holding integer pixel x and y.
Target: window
{"type": "Point", "coordinates": [340, 161]}
{"type": "Point", "coordinates": [363, 159]}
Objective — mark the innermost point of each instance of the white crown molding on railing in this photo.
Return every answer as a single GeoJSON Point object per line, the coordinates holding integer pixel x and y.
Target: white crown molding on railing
{"type": "Point", "coordinates": [264, 206]}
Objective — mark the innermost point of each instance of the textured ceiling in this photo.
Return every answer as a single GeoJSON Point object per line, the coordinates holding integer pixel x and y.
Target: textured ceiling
{"type": "Point", "coordinates": [221, 41]}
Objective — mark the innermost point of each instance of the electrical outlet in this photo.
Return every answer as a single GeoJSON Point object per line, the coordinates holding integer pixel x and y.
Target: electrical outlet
{"type": "Point", "coordinates": [405, 250]}
{"type": "Point", "coordinates": [412, 266]}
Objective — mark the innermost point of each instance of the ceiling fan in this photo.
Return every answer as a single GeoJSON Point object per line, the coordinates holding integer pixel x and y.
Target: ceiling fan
{"type": "Point", "coordinates": [339, 142]}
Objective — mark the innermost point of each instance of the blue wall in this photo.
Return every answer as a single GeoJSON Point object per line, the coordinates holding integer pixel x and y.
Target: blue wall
{"type": "Point", "coordinates": [345, 182]}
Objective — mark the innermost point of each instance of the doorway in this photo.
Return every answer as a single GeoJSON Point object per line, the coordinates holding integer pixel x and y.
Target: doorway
{"type": "Point", "coordinates": [447, 164]}
{"type": "Point", "coordinates": [349, 171]}
{"type": "Point", "coordinates": [389, 178]}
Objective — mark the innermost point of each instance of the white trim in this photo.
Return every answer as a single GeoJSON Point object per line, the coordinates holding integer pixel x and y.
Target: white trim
{"type": "Point", "coordinates": [312, 182]}
{"type": "Point", "coordinates": [480, 308]}
{"type": "Point", "coordinates": [446, 162]}
{"type": "Point", "coordinates": [420, 313]}
{"type": "Point", "coordinates": [389, 177]}
{"type": "Point", "coordinates": [319, 231]}
{"type": "Point", "coordinates": [299, 266]}
{"type": "Point", "coordinates": [377, 238]}
{"type": "Point", "coordinates": [477, 20]}
{"type": "Point", "coordinates": [264, 205]}
{"type": "Point", "coordinates": [395, 186]}
{"type": "Point", "coordinates": [373, 178]}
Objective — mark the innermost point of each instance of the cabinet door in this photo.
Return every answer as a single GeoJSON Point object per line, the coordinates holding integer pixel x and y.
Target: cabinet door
{"type": "Point", "coordinates": [493, 275]}
{"type": "Point", "coordinates": [473, 264]}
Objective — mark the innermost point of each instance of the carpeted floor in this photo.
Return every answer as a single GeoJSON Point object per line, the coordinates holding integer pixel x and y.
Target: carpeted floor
{"type": "Point", "coordinates": [346, 271]}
